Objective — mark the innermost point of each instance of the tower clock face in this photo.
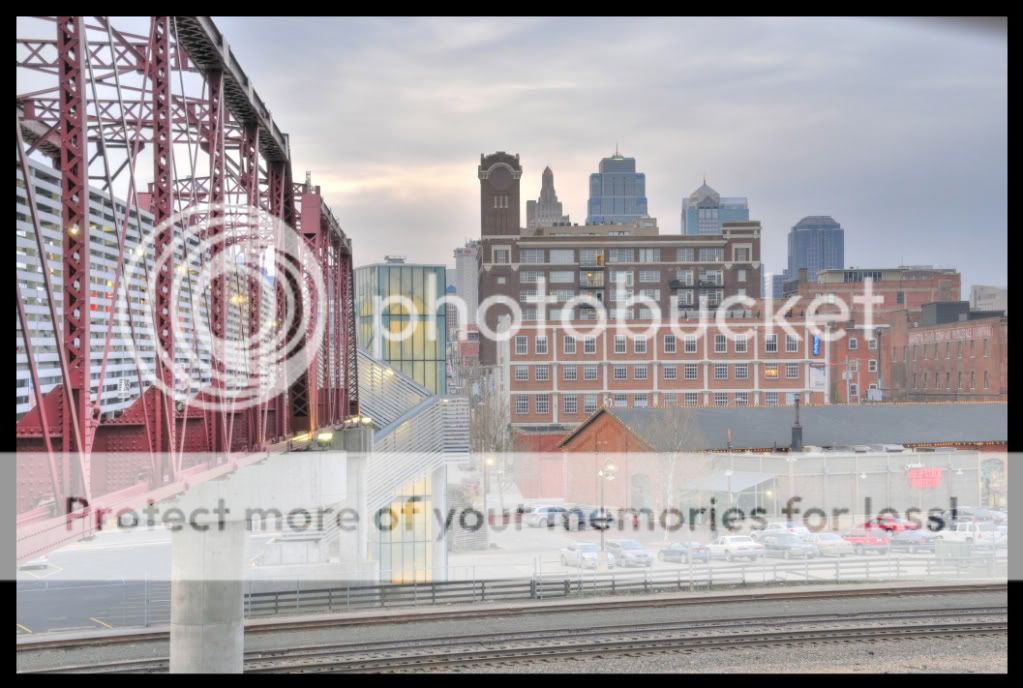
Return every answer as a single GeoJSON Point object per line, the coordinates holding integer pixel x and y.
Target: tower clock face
{"type": "Point", "coordinates": [500, 178]}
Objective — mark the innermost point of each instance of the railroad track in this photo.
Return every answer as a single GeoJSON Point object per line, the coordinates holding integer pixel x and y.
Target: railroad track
{"type": "Point", "coordinates": [684, 636]}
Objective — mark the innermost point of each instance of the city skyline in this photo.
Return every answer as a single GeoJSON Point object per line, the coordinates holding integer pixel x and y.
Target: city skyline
{"type": "Point", "coordinates": [900, 165]}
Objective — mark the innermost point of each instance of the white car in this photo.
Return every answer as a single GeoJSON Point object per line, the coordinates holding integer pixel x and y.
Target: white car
{"type": "Point", "coordinates": [584, 555]}
{"type": "Point", "coordinates": [543, 516]}
{"type": "Point", "coordinates": [733, 547]}
{"type": "Point", "coordinates": [983, 533]}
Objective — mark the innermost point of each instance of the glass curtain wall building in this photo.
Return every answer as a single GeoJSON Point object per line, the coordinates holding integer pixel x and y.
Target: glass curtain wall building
{"type": "Point", "coordinates": [617, 193]}
{"type": "Point", "coordinates": [404, 300]}
{"type": "Point", "coordinates": [815, 243]}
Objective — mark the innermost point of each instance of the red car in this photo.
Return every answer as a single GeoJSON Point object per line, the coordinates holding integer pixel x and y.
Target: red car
{"type": "Point", "coordinates": [864, 540]}
{"type": "Point", "coordinates": [890, 524]}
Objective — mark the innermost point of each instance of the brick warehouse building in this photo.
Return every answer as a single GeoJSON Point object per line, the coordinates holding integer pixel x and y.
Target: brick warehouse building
{"type": "Point", "coordinates": [950, 354]}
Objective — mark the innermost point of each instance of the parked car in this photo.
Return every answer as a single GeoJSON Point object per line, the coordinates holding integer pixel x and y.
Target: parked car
{"type": "Point", "coordinates": [584, 516]}
{"type": "Point", "coordinates": [584, 555]}
{"type": "Point", "coordinates": [981, 533]}
{"type": "Point", "coordinates": [787, 546]}
{"type": "Point", "coordinates": [890, 524]}
{"type": "Point", "coordinates": [684, 552]}
{"type": "Point", "coordinates": [732, 547]}
{"type": "Point", "coordinates": [37, 563]}
{"type": "Point", "coordinates": [544, 516]}
{"type": "Point", "coordinates": [912, 541]}
{"type": "Point", "coordinates": [864, 540]}
{"type": "Point", "coordinates": [829, 544]}
{"type": "Point", "coordinates": [630, 553]}
{"type": "Point", "coordinates": [779, 527]}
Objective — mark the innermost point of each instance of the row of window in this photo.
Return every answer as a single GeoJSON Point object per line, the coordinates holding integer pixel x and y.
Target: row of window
{"type": "Point", "coordinates": [600, 256]}
{"type": "Point", "coordinates": [854, 344]}
{"type": "Point", "coordinates": [670, 341]}
{"type": "Point", "coordinates": [854, 365]}
{"type": "Point", "coordinates": [740, 371]}
{"type": "Point", "coordinates": [948, 381]}
{"type": "Point", "coordinates": [570, 402]}
{"type": "Point", "coordinates": [948, 350]}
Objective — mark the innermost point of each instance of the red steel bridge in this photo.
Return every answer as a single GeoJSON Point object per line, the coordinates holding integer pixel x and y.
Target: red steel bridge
{"type": "Point", "coordinates": [159, 109]}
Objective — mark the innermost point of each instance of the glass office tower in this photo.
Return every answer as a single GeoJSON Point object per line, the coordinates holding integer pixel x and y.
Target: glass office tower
{"type": "Point", "coordinates": [617, 193]}
{"type": "Point", "coordinates": [417, 334]}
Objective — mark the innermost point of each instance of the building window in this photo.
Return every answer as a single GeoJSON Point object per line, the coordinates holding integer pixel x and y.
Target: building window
{"type": "Point", "coordinates": [620, 345]}
{"type": "Point", "coordinates": [669, 344]}
{"type": "Point", "coordinates": [569, 404]}
{"type": "Point", "coordinates": [531, 255]}
{"type": "Point", "coordinates": [740, 344]}
{"type": "Point", "coordinates": [690, 344]}
{"type": "Point", "coordinates": [543, 373]}
{"type": "Point", "coordinates": [650, 276]}
{"type": "Point", "coordinates": [691, 371]}
{"type": "Point", "coordinates": [649, 255]}
{"type": "Point", "coordinates": [741, 255]}
{"type": "Point", "coordinates": [900, 297]}
{"type": "Point", "coordinates": [562, 256]}
{"type": "Point", "coordinates": [685, 255]}
{"type": "Point", "coordinates": [543, 404]}
{"type": "Point", "coordinates": [854, 366]}
{"type": "Point", "coordinates": [925, 382]}
{"type": "Point", "coordinates": [569, 345]}
{"type": "Point", "coordinates": [872, 344]}
{"type": "Point", "coordinates": [500, 255]}
{"type": "Point", "coordinates": [853, 390]}
{"type": "Point", "coordinates": [685, 277]}
{"type": "Point", "coordinates": [530, 276]}
{"type": "Point", "coordinates": [973, 380]}
{"type": "Point", "coordinates": [770, 398]}
{"type": "Point", "coordinates": [791, 343]}
{"type": "Point", "coordinates": [668, 399]}
{"type": "Point", "coordinates": [670, 372]}
{"type": "Point", "coordinates": [720, 399]}
{"type": "Point", "coordinates": [621, 373]}
{"type": "Point", "coordinates": [639, 372]}
{"type": "Point", "coordinates": [562, 277]}
{"type": "Point", "coordinates": [872, 365]}
{"type": "Point", "coordinates": [914, 380]}
{"type": "Point", "coordinates": [521, 373]}
{"type": "Point", "coordinates": [972, 348]}
{"type": "Point", "coordinates": [948, 350]}
{"type": "Point", "coordinates": [720, 344]}
{"type": "Point", "coordinates": [741, 276]}
{"type": "Point", "coordinates": [985, 352]}
{"type": "Point", "coordinates": [521, 347]}
{"type": "Point", "coordinates": [771, 343]}
{"type": "Point", "coordinates": [541, 344]}
{"type": "Point", "coordinates": [959, 382]}
{"type": "Point", "coordinates": [589, 403]}
{"type": "Point", "coordinates": [590, 345]}
{"type": "Point", "coordinates": [985, 380]}
{"type": "Point", "coordinates": [590, 372]}
{"type": "Point", "coordinates": [853, 344]}
{"type": "Point", "coordinates": [639, 401]}
{"type": "Point", "coordinates": [639, 345]}
{"type": "Point", "coordinates": [569, 373]}
{"type": "Point", "coordinates": [621, 255]}
{"type": "Point", "coordinates": [741, 398]}
{"type": "Point", "coordinates": [712, 255]}
{"type": "Point", "coordinates": [720, 371]}
{"type": "Point", "coordinates": [948, 380]}
{"type": "Point", "coordinates": [792, 370]}
{"type": "Point", "coordinates": [741, 371]}
{"type": "Point", "coordinates": [521, 404]}
{"type": "Point", "coordinates": [621, 400]}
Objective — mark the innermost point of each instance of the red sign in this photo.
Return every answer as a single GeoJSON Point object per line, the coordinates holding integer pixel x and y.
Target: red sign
{"type": "Point", "coordinates": [925, 478]}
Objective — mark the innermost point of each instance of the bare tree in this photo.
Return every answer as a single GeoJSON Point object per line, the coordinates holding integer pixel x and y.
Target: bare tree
{"type": "Point", "coordinates": [683, 440]}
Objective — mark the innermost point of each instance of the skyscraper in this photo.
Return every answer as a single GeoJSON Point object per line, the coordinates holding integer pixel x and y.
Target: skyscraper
{"type": "Point", "coordinates": [617, 192]}
{"type": "Point", "coordinates": [546, 211]}
{"type": "Point", "coordinates": [816, 243]}
{"type": "Point", "coordinates": [704, 211]}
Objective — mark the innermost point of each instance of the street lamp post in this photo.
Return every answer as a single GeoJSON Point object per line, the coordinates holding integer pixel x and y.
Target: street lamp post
{"type": "Point", "coordinates": [731, 495]}
{"type": "Point", "coordinates": [605, 474]}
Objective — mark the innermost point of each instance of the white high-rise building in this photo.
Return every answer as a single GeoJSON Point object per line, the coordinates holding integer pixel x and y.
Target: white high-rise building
{"type": "Point", "coordinates": [121, 384]}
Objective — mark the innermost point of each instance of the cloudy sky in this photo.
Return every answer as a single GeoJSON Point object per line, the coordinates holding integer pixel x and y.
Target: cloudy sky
{"type": "Point", "coordinates": [896, 128]}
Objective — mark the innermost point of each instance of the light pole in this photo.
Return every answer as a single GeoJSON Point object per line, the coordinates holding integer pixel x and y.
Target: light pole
{"type": "Point", "coordinates": [489, 461]}
{"type": "Point", "coordinates": [731, 496]}
{"type": "Point", "coordinates": [605, 474]}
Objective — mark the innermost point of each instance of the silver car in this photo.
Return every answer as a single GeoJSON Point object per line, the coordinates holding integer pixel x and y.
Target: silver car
{"type": "Point", "coordinates": [630, 553]}
{"type": "Point", "coordinates": [830, 544]}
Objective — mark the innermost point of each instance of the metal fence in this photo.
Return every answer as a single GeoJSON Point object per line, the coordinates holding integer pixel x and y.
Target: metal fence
{"type": "Point", "coordinates": [148, 604]}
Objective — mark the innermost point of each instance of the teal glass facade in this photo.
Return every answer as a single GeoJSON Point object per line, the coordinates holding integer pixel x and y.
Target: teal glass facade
{"type": "Point", "coordinates": [419, 352]}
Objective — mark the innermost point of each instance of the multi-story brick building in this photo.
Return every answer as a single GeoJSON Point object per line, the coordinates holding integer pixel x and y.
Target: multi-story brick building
{"type": "Point", "coordinates": [951, 354]}
{"type": "Point", "coordinates": [901, 288]}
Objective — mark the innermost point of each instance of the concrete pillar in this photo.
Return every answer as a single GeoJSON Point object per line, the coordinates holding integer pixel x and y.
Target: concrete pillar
{"type": "Point", "coordinates": [207, 621]}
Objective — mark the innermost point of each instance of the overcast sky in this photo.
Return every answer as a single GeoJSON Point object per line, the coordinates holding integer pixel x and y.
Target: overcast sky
{"type": "Point", "coordinates": [896, 128]}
